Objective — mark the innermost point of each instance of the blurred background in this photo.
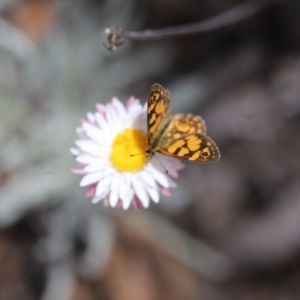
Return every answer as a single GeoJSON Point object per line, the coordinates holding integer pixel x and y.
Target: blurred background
{"type": "Point", "coordinates": [231, 230]}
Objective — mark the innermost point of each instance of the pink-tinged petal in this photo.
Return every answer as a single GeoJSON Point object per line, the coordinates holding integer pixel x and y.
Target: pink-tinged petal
{"type": "Point", "coordinates": [137, 203]}
{"type": "Point", "coordinates": [78, 170]}
{"type": "Point", "coordinates": [165, 191]}
{"type": "Point", "coordinates": [119, 204]}
{"type": "Point", "coordinates": [115, 101]}
{"type": "Point", "coordinates": [178, 164]}
{"type": "Point", "coordinates": [174, 174]}
{"type": "Point", "coordinates": [100, 109]}
{"type": "Point", "coordinates": [85, 121]}
{"type": "Point", "coordinates": [130, 102]}
{"type": "Point", "coordinates": [91, 191]}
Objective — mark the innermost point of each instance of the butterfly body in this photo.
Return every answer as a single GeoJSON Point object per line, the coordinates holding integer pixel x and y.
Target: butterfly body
{"type": "Point", "coordinates": [180, 136]}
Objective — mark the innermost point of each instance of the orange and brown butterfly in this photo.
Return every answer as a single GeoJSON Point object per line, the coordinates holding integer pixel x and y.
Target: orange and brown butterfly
{"type": "Point", "coordinates": [180, 136]}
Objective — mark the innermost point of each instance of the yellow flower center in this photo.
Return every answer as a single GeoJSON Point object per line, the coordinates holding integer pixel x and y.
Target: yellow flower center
{"type": "Point", "coordinates": [129, 150]}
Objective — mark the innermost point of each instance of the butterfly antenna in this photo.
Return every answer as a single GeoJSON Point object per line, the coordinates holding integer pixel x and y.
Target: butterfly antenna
{"type": "Point", "coordinates": [162, 166]}
{"type": "Point", "coordinates": [132, 155]}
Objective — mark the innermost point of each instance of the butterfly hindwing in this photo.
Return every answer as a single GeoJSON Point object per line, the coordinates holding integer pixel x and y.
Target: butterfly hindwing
{"type": "Point", "coordinates": [183, 124]}
{"type": "Point", "coordinates": [193, 147]}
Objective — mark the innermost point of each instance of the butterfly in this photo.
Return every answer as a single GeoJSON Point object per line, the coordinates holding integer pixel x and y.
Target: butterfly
{"type": "Point", "coordinates": [180, 136]}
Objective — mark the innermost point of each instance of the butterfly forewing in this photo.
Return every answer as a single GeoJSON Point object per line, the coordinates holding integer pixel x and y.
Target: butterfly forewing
{"type": "Point", "coordinates": [158, 111]}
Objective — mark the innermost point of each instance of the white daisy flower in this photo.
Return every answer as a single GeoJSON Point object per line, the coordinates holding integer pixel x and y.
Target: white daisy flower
{"type": "Point", "coordinates": [111, 154]}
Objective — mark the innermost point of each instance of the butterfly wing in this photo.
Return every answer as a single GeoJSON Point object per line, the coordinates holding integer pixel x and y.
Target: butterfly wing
{"type": "Point", "coordinates": [183, 124]}
{"type": "Point", "coordinates": [181, 136]}
{"type": "Point", "coordinates": [185, 138]}
{"type": "Point", "coordinates": [193, 147]}
{"type": "Point", "coordinates": [158, 111]}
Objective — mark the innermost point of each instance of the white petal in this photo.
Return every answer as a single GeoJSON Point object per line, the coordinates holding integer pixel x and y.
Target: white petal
{"type": "Point", "coordinates": [135, 107]}
{"type": "Point", "coordinates": [114, 190]}
{"type": "Point", "coordinates": [91, 117]}
{"type": "Point", "coordinates": [74, 151]}
{"type": "Point", "coordinates": [147, 178]}
{"type": "Point", "coordinates": [140, 191]}
{"type": "Point", "coordinates": [101, 121]}
{"type": "Point", "coordinates": [91, 178]}
{"type": "Point", "coordinates": [81, 132]}
{"type": "Point", "coordinates": [126, 193]}
{"type": "Point", "coordinates": [153, 192]}
{"type": "Point", "coordinates": [103, 185]}
{"type": "Point", "coordinates": [97, 167]}
{"type": "Point", "coordinates": [98, 135]}
{"type": "Point", "coordinates": [87, 126]}
{"type": "Point", "coordinates": [102, 137]}
{"type": "Point", "coordinates": [96, 199]}
{"type": "Point", "coordinates": [113, 198]}
{"type": "Point", "coordinates": [87, 159]}
{"type": "Point", "coordinates": [158, 176]}
{"type": "Point", "coordinates": [140, 121]}
{"type": "Point", "coordinates": [91, 147]}
{"type": "Point", "coordinates": [103, 154]}
{"type": "Point", "coordinates": [84, 158]}
{"type": "Point", "coordinates": [119, 108]}
{"type": "Point", "coordinates": [111, 115]}
{"type": "Point", "coordinates": [127, 201]}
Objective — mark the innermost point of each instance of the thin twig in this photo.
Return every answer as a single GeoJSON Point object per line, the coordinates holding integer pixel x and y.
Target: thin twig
{"type": "Point", "coordinates": [226, 18]}
{"type": "Point", "coordinates": [116, 36]}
